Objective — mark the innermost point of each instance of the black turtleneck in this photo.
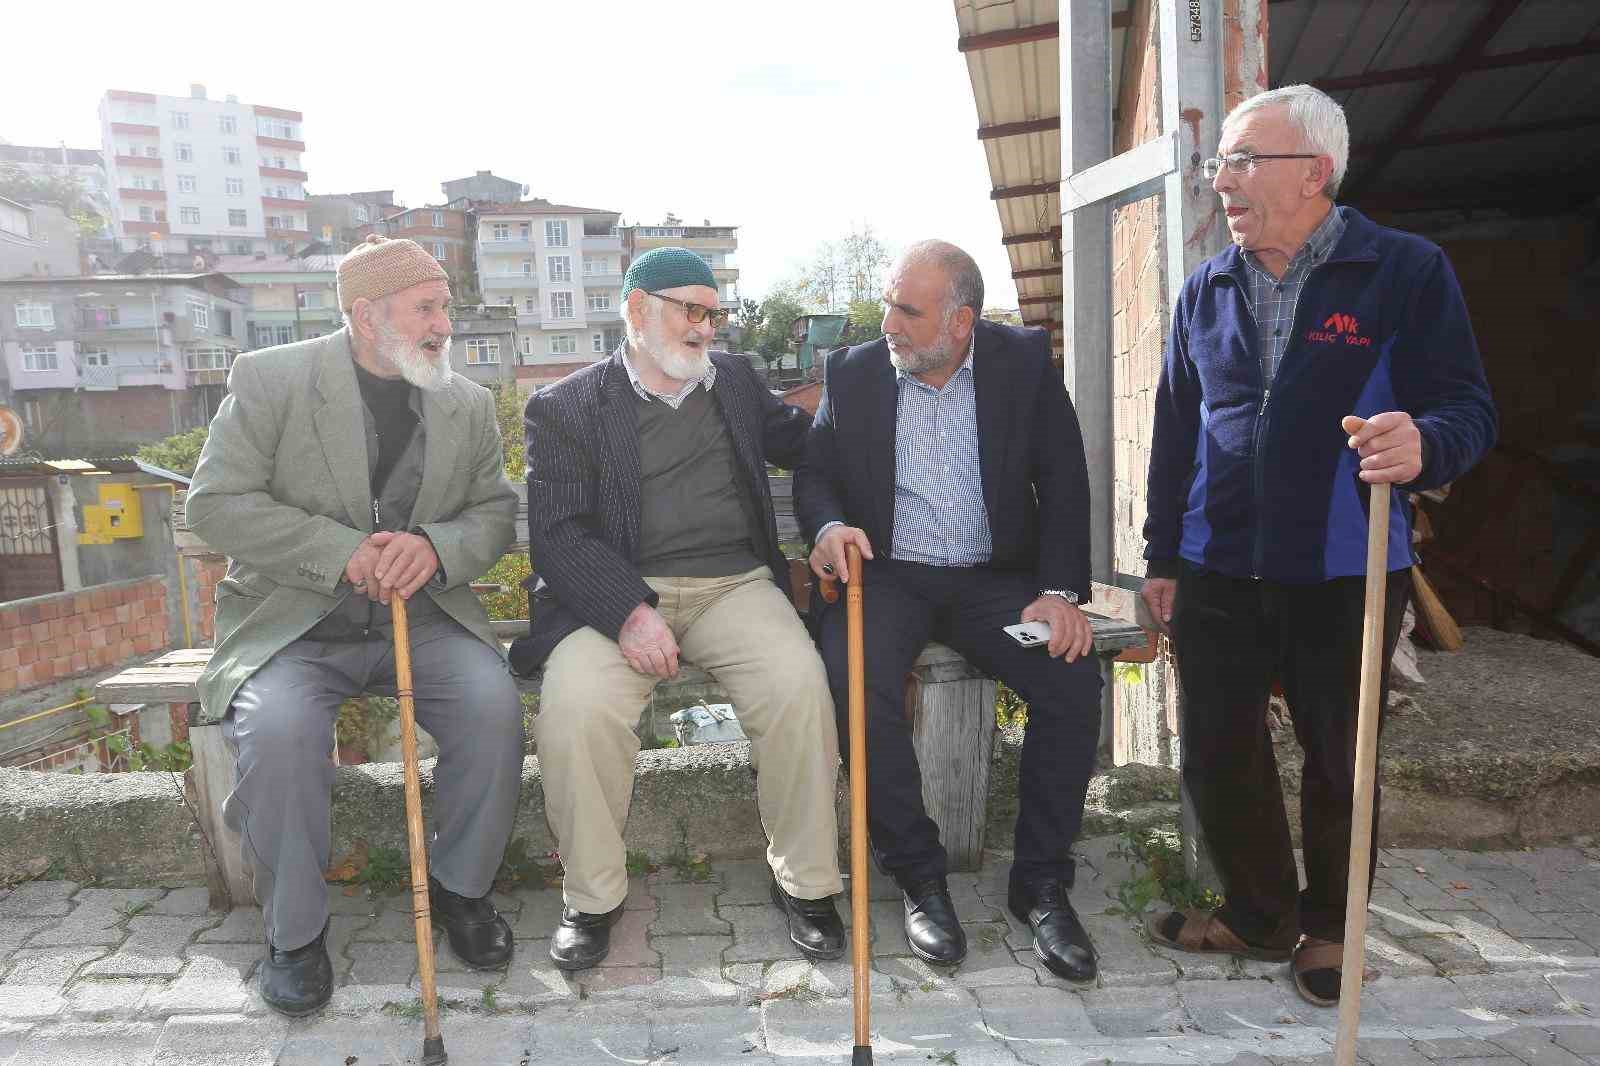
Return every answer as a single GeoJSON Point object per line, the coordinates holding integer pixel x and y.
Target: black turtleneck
{"type": "Point", "coordinates": [389, 400]}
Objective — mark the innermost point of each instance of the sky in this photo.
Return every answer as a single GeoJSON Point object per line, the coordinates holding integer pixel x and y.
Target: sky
{"type": "Point", "coordinates": [795, 121]}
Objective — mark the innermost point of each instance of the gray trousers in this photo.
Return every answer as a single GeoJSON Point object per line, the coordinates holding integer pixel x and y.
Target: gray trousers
{"type": "Point", "coordinates": [280, 728]}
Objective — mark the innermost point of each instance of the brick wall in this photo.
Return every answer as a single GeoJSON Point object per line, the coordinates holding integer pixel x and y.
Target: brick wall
{"type": "Point", "coordinates": [1145, 700]}
{"type": "Point", "coordinates": [48, 638]}
{"type": "Point", "coordinates": [204, 571]}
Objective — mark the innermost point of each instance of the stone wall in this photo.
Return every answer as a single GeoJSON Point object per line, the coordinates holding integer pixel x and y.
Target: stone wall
{"type": "Point", "coordinates": [48, 638]}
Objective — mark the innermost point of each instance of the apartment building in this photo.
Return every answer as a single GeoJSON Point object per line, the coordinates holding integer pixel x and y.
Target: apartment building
{"type": "Point", "coordinates": [440, 230]}
{"type": "Point", "coordinates": [37, 239]}
{"type": "Point", "coordinates": [194, 174]}
{"type": "Point", "coordinates": [336, 218]}
{"type": "Point", "coordinates": [484, 342]}
{"type": "Point", "coordinates": [483, 187]}
{"type": "Point", "coordinates": [715, 244]}
{"type": "Point", "coordinates": [287, 298]}
{"type": "Point", "coordinates": [111, 361]}
{"type": "Point", "coordinates": [560, 266]}
{"type": "Point", "coordinates": [82, 165]}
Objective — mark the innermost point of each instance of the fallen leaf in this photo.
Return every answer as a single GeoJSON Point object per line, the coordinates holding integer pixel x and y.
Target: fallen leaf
{"type": "Point", "coordinates": [1419, 869]}
{"type": "Point", "coordinates": [1460, 885]}
{"type": "Point", "coordinates": [352, 890]}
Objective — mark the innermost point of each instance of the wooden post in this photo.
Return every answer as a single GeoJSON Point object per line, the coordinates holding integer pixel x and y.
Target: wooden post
{"type": "Point", "coordinates": [952, 710]}
{"type": "Point", "coordinates": [210, 779]}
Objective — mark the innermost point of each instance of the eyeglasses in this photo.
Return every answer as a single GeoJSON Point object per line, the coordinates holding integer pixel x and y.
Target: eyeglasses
{"type": "Point", "coordinates": [695, 313]}
{"type": "Point", "coordinates": [1243, 162]}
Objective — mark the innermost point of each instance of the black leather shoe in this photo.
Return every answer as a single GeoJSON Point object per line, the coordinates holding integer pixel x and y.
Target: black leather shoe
{"type": "Point", "coordinates": [475, 931]}
{"type": "Point", "coordinates": [300, 981]}
{"type": "Point", "coordinates": [1059, 938]}
{"type": "Point", "coordinates": [814, 925]}
{"type": "Point", "coordinates": [582, 940]}
{"type": "Point", "coordinates": [932, 929]}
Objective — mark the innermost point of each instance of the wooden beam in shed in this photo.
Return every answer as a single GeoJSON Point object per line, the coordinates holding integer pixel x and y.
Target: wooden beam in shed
{"type": "Point", "coordinates": [1016, 129]}
{"type": "Point", "coordinates": [1044, 31]}
{"type": "Point", "coordinates": [1011, 192]}
{"type": "Point", "coordinates": [1053, 234]}
{"type": "Point", "coordinates": [1038, 272]}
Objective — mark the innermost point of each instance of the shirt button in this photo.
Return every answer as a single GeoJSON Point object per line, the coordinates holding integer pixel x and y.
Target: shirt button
{"type": "Point", "coordinates": [1280, 288]}
{"type": "Point", "coordinates": [1278, 332]}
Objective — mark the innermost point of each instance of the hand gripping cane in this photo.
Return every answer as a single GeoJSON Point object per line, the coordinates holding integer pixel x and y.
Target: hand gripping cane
{"type": "Point", "coordinates": [860, 935]}
{"type": "Point", "coordinates": [1355, 911]}
{"type": "Point", "coordinates": [433, 1053]}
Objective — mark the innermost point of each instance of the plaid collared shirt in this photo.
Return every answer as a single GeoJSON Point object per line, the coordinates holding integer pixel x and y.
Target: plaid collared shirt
{"type": "Point", "coordinates": [672, 400]}
{"type": "Point", "coordinates": [1273, 300]}
{"type": "Point", "coordinates": [939, 517]}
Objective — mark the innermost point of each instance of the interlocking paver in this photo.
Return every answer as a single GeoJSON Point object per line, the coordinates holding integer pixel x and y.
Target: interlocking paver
{"type": "Point", "coordinates": [1125, 958]}
{"type": "Point", "coordinates": [1536, 1047]}
{"type": "Point", "coordinates": [216, 981]}
{"type": "Point", "coordinates": [91, 999]}
{"type": "Point", "coordinates": [1127, 1012]}
{"type": "Point", "coordinates": [1579, 990]}
{"type": "Point", "coordinates": [741, 882]}
{"type": "Point", "coordinates": [686, 910]}
{"type": "Point", "coordinates": [243, 925]}
{"type": "Point", "coordinates": [153, 949]}
{"type": "Point", "coordinates": [222, 1040]}
{"type": "Point", "coordinates": [49, 968]}
{"type": "Point", "coordinates": [1457, 1047]}
{"type": "Point", "coordinates": [1511, 994]}
{"type": "Point", "coordinates": [990, 960]}
{"type": "Point", "coordinates": [1579, 1039]}
{"type": "Point", "coordinates": [1224, 1007]}
{"type": "Point", "coordinates": [538, 916]}
{"type": "Point", "coordinates": [38, 898]}
{"type": "Point", "coordinates": [1420, 1001]}
{"type": "Point", "coordinates": [196, 900]}
{"type": "Point", "coordinates": [759, 933]}
{"type": "Point", "coordinates": [88, 1044]}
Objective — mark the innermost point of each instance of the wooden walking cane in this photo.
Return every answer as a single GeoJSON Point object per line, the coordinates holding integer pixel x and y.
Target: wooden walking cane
{"type": "Point", "coordinates": [860, 931]}
{"type": "Point", "coordinates": [1355, 911]}
{"type": "Point", "coordinates": [433, 1053]}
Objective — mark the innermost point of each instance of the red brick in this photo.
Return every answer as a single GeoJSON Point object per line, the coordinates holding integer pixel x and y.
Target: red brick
{"type": "Point", "coordinates": [26, 674]}
{"type": "Point", "coordinates": [99, 657]}
{"type": "Point", "coordinates": [60, 627]}
{"type": "Point", "coordinates": [40, 631]}
{"type": "Point", "coordinates": [136, 609]}
{"type": "Point", "coordinates": [8, 680]}
{"type": "Point", "coordinates": [141, 644]}
{"type": "Point", "coordinates": [62, 666]}
{"type": "Point", "coordinates": [97, 639]}
{"type": "Point", "coordinates": [82, 602]}
{"type": "Point", "coordinates": [49, 609]}
{"type": "Point", "coordinates": [80, 662]}
{"type": "Point", "coordinates": [27, 653]}
{"type": "Point", "coordinates": [30, 614]}
{"type": "Point", "coordinates": [123, 612]}
{"type": "Point", "coordinates": [42, 672]}
{"type": "Point", "coordinates": [10, 618]}
{"type": "Point", "coordinates": [8, 659]}
{"type": "Point", "coordinates": [99, 598]}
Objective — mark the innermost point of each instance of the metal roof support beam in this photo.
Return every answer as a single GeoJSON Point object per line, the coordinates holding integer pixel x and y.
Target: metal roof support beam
{"type": "Point", "coordinates": [1045, 31]}
{"type": "Point", "coordinates": [1554, 53]}
{"type": "Point", "coordinates": [1016, 129]}
{"type": "Point", "coordinates": [1011, 192]}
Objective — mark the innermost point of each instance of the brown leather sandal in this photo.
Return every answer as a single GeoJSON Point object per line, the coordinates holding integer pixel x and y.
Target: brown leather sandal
{"type": "Point", "coordinates": [1318, 969]}
{"type": "Point", "coordinates": [1202, 932]}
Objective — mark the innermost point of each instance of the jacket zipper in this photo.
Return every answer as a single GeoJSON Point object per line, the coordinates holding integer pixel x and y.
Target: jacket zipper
{"type": "Point", "coordinates": [1260, 436]}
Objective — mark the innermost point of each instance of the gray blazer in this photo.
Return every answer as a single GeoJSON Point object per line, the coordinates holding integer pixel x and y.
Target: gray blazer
{"type": "Point", "coordinates": [282, 489]}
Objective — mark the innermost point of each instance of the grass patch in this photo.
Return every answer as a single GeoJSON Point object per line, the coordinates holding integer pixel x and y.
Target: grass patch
{"type": "Point", "coordinates": [386, 870]}
{"type": "Point", "coordinates": [639, 864]}
{"type": "Point", "coordinates": [1157, 858]}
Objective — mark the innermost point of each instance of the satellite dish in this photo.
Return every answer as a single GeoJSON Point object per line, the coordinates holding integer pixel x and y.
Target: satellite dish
{"type": "Point", "coordinates": [10, 432]}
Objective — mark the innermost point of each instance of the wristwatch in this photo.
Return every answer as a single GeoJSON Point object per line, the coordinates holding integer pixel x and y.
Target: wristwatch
{"type": "Point", "coordinates": [1066, 594]}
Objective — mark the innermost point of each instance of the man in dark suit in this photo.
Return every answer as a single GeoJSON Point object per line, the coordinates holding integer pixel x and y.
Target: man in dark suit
{"type": "Point", "coordinates": [651, 528]}
{"type": "Point", "coordinates": [950, 446]}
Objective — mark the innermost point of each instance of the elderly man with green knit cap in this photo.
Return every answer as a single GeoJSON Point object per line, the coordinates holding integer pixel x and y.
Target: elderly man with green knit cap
{"type": "Point", "coordinates": [651, 529]}
{"type": "Point", "coordinates": [339, 473]}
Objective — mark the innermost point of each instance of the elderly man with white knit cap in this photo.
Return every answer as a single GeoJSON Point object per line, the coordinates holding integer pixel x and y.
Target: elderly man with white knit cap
{"type": "Point", "coordinates": [339, 473]}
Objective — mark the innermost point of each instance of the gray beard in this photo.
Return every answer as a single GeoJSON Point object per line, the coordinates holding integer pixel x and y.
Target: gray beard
{"type": "Point", "coordinates": [415, 365]}
{"type": "Point", "coordinates": [920, 360]}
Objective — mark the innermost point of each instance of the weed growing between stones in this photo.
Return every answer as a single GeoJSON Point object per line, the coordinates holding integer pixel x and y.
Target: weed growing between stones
{"type": "Point", "coordinates": [1157, 857]}
{"type": "Point", "coordinates": [387, 870]}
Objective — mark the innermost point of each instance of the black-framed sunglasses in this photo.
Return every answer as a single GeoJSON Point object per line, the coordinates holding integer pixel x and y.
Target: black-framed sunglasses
{"type": "Point", "coordinates": [1241, 162]}
{"type": "Point", "coordinates": [696, 313]}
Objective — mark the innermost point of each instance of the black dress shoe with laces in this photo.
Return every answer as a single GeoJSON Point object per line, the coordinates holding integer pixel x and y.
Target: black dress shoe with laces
{"type": "Point", "coordinates": [1059, 938]}
{"type": "Point", "coordinates": [932, 928]}
{"type": "Point", "coordinates": [299, 981]}
{"type": "Point", "coordinates": [814, 925]}
{"type": "Point", "coordinates": [582, 940]}
{"type": "Point", "coordinates": [474, 929]}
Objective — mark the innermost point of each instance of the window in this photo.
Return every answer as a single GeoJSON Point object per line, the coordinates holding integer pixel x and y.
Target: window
{"type": "Point", "coordinates": [95, 356]}
{"type": "Point", "coordinates": [561, 305]}
{"type": "Point", "coordinates": [151, 152]}
{"type": "Point", "coordinates": [236, 217]}
{"type": "Point", "coordinates": [201, 314]}
{"type": "Point", "coordinates": [596, 264]}
{"type": "Point", "coordinates": [270, 335]}
{"type": "Point", "coordinates": [39, 357]}
{"type": "Point", "coordinates": [529, 306]}
{"type": "Point", "coordinates": [613, 338]}
{"type": "Point", "coordinates": [313, 300]}
{"type": "Point", "coordinates": [230, 155]}
{"type": "Point", "coordinates": [275, 222]}
{"type": "Point", "coordinates": [527, 266]}
{"type": "Point", "coordinates": [597, 343]}
{"type": "Point", "coordinates": [207, 358]}
{"type": "Point", "coordinates": [560, 267]}
{"type": "Point", "coordinates": [704, 258]}
{"type": "Point", "coordinates": [563, 344]}
{"type": "Point", "coordinates": [227, 124]}
{"type": "Point", "coordinates": [277, 127]}
{"type": "Point", "coordinates": [185, 152]}
{"type": "Point", "coordinates": [180, 120]}
{"type": "Point", "coordinates": [239, 247]}
{"type": "Point", "coordinates": [189, 216]}
{"type": "Point", "coordinates": [481, 351]}
{"type": "Point", "coordinates": [186, 183]}
{"type": "Point", "coordinates": [599, 301]}
{"type": "Point", "coordinates": [438, 220]}
{"type": "Point", "coordinates": [502, 231]}
{"type": "Point", "coordinates": [99, 317]}
{"type": "Point", "coordinates": [147, 213]}
{"type": "Point", "coordinates": [36, 316]}
{"type": "Point", "coordinates": [235, 186]}
{"type": "Point", "coordinates": [527, 345]}
{"type": "Point", "coordinates": [224, 321]}
{"type": "Point", "coordinates": [361, 214]}
{"type": "Point", "coordinates": [555, 233]}
{"type": "Point", "coordinates": [525, 231]}
{"type": "Point", "coordinates": [277, 161]}
{"type": "Point", "coordinates": [438, 251]}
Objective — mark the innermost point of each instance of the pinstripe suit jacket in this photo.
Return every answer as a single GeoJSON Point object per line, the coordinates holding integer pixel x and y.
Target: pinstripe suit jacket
{"type": "Point", "coordinates": [584, 485]}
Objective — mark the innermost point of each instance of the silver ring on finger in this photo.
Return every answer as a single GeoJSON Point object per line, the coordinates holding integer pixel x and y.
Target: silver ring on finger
{"type": "Point", "coordinates": [827, 568]}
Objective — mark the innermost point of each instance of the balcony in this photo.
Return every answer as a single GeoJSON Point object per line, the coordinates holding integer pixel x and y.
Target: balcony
{"type": "Point", "coordinates": [280, 172]}
{"type": "Point", "coordinates": [509, 280]}
{"type": "Point", "coordinates": [608, 316]}
{"type": "Point", "coordinates": [283, 203]}
{"type": "Point", "coordinates": [135, 228]}
{"type": "Point", "coordinates": [278, 233]}
{"type": "Point", "coordinates": [278, 142]}
{"type": "Point", "coordinates": [511, 246]}
{"type": "Point", "coordinates": [158, 195]}
{"type": "Point", "coordinates": [602, 281]}
{"type": "Point", "coordinates": [138, 161]}
{"type": "Point", "coordinates": [98, 378]}
{"type": "Point", "coordinates": [135, 129]}
{"type": "Point", "coordinates": [603, 243]}
{"type": "Point", "coordinates": [92, 325]}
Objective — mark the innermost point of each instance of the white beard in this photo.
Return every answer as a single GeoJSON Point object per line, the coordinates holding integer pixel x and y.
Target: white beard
{"type": "Point", "coordinates": [675, 360]}
{"type": "Point", "coordinates": [424, 370]}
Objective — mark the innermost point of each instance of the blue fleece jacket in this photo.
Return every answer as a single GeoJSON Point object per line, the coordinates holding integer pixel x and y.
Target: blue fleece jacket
{"type": "Point", "coordinates": [1252, 482]}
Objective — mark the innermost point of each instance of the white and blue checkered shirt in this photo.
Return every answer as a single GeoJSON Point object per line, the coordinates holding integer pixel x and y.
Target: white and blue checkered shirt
{"type": "Point", "coordinates": [1273, 300]}
{"type": "Point", "coordinates": [939, 517]}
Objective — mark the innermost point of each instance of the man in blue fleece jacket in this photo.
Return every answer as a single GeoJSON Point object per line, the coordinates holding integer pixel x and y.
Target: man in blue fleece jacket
{"type": "Point", "coordinates": [1319, 355]}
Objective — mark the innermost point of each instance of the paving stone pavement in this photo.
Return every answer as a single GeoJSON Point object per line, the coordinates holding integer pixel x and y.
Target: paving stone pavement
{"type": "Point", "coordinates": [1489, 957]}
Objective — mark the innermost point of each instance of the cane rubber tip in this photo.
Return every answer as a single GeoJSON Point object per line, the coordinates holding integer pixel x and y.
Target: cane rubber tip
{"type": "Point", "coordinates": [861, 1055]}
{"type": "Point", "coordinates": [433, 1053]}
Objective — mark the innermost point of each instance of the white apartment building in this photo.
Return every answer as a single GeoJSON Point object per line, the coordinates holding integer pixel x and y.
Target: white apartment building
{"type": "Point", "coordinates": [561, 267]}
{"type": "Point", "coordinates": [191, 173]}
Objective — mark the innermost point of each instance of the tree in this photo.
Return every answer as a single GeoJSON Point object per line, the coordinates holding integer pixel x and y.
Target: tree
{"type": "Point", "coordinates": [845, 271]}
{"type": "Point", "coordinates": [65, 191]}
{"type": "Point", "coordinates": [749, 319]}
{"type": "Point", "coordinates": [179, 454]}
{"type": "Point", "coordinates": [508, 413]}
{"type": "Point", "coordinates": [778, 311]}
{"type": "Point", "coordinates": [866, 321]}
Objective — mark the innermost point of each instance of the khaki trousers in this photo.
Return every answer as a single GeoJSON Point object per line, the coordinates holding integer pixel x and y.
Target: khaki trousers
{"type": "Point", "coordinates": [744, 632]}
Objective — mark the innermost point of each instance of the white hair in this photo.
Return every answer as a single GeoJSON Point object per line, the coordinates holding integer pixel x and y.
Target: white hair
{"type": "Point", "coordinates": [1319, 119]}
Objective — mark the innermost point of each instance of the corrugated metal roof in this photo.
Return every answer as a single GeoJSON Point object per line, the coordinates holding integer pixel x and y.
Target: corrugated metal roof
{"type": "Point", "coordinates": [1014, 62]}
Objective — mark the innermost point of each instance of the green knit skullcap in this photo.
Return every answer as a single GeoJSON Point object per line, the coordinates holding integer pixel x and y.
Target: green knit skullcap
{"type": "Point", "coordinates": [667, 268]}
